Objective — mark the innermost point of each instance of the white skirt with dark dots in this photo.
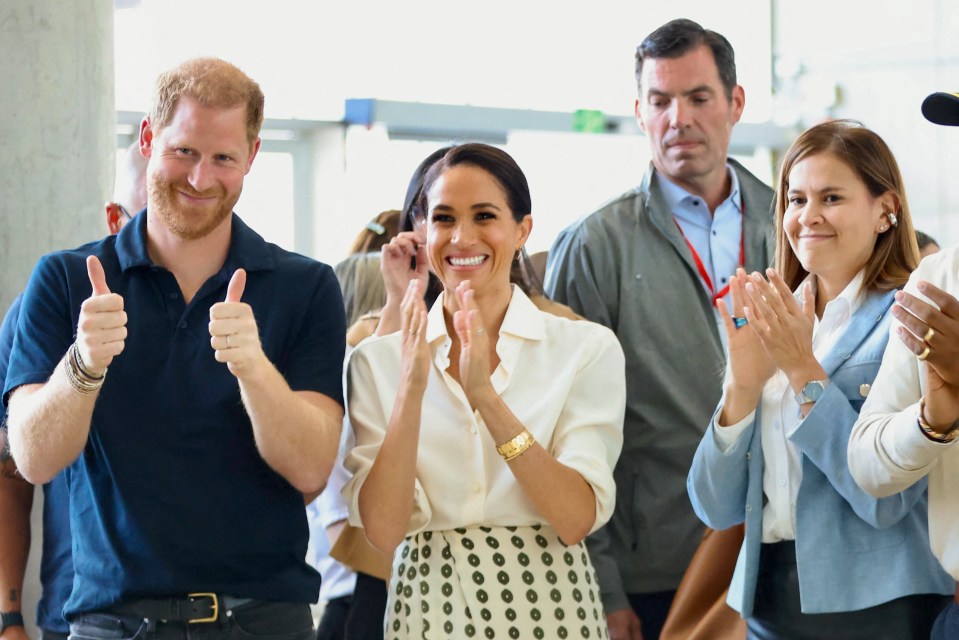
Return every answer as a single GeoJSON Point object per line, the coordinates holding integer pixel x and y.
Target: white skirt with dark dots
{"type": "Point", "coordinates": [493, 582]}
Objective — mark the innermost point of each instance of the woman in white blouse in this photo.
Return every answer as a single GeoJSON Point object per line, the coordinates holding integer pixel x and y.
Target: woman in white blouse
{"type": "Point", "coordinates": [486, 430]}
{"type": "Point", "coordinates": [821, 558]}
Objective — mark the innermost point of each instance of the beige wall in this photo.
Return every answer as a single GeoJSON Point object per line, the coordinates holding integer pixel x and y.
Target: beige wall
{"type": "Point", "coordinates": [57, 129]}
{"type": "Point", "coordinates": [57, 149]}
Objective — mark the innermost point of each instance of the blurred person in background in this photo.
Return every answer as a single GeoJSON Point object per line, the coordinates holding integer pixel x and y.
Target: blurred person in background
{"type": "Point", "coordinates": [927, 244]}
{"type": "Point", "coordinates": [359, 274]}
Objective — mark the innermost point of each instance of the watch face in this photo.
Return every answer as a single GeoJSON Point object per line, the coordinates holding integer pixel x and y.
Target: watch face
{"type": "Point", "coordinates": [812, 391]}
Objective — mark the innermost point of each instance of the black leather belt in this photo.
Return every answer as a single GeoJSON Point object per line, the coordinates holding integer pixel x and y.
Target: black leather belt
{"type": "Point", "coordinates": [193, 609]}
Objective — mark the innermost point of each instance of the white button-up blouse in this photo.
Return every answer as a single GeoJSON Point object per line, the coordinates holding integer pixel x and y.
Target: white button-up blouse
{"type": "Point", "coordinates": [565, 382]}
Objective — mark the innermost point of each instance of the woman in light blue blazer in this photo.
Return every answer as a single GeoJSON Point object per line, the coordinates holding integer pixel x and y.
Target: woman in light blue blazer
{"type": "Point", "coordinates": [821, 558]}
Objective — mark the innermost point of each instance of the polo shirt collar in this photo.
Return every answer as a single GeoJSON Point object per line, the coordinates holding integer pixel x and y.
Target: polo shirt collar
{"type": "Point", "coordinates": [247, 249]}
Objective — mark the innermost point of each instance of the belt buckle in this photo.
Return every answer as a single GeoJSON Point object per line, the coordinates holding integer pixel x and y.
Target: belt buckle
{"type": "Point", "coordinates": [215, 606]}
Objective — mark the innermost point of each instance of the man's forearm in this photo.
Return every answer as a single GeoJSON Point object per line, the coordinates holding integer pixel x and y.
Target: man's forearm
{"type": "Point", "coordinates": [16, 500]}
{"type": "Point", "coordinates": [297, 433]}
{"type": "Point", "coordinates": [49, 424]}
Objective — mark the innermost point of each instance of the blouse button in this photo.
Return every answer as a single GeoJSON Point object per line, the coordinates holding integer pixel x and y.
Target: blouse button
{"type": "Point", "coordinates": [473, 430]}
{"type": "Point", "coordinates": [476, 487]}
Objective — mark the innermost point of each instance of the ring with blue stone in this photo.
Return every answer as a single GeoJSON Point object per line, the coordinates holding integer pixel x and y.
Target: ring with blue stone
{"type": "Point", "coordinates": [740, 322]}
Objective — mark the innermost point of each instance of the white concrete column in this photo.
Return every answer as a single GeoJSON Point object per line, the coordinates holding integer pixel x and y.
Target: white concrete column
{"type": "Point", "coordinates": [57, 150]}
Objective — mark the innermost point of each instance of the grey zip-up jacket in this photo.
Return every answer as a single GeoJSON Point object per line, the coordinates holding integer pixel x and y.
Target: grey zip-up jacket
{"type": "Point", "coordinates": [627, 266]}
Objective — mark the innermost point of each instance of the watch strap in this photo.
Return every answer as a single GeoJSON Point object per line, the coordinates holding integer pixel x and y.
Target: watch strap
{"type": "Point", "coordinates": [10, 619]}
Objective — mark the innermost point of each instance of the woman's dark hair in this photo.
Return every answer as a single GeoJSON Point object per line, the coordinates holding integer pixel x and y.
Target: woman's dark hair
{"type": "Point", "coordinates": [411, 209]}
{"type": "Point", "coordinates": [411, 204]}
{"type": "Point", "coordinates": [502, 168]}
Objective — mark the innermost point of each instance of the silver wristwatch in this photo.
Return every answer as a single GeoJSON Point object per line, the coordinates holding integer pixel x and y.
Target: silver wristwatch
{"type": "Point", "coordinates": [811, 391]}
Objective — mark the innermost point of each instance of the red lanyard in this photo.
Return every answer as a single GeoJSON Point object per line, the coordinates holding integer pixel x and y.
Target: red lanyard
{"type": "Point", "coordinates": [699, 262]}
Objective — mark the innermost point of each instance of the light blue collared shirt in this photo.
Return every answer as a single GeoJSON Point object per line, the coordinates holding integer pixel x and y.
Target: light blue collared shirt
{"type": "Point", "coordinates": [717, 238]}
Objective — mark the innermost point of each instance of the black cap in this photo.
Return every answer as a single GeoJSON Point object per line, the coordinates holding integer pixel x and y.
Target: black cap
{"type": "Point", "coordinates": [942, 108]}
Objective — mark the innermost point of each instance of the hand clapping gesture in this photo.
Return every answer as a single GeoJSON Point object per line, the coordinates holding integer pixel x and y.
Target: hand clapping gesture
{"type": "Point", "coordinates": [784, 326]}
{"type": "Point", "coordinates": [415, 351]}
{"type": "Point", "coordinates": [750, 367]}
{"type": "Point", "coordinates": [474, 363]}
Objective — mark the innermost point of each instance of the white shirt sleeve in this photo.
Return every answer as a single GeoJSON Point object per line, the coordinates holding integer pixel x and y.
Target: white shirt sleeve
{"type": "Point", "coordinates": [887, 450]}
{"type": "Point", "coordinates": [589, 433]}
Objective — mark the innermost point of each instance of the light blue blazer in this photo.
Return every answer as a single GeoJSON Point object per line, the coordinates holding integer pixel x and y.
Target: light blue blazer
{"type": "Point", "coordinates": [852, 550]}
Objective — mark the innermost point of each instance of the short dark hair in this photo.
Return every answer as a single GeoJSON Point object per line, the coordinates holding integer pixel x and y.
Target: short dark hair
{"type": "Point", "coordinates": [678, 37]}
{"type": "Point", "coordinates": [924, 239]}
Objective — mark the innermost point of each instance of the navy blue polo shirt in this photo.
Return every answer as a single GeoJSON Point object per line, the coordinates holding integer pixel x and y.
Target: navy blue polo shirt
{"type": "Point", "coordinates": [170, 495]}
{"type": "Point", "coordinates": [56, 561]}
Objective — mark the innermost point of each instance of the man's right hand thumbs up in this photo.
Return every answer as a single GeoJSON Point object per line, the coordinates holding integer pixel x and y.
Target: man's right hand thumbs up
{"type": "Point", "coordinates": [102, 330]}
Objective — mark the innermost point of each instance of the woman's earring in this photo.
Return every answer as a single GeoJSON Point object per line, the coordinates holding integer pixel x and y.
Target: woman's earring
{"type": "Point", "coordinates": [893, 220]}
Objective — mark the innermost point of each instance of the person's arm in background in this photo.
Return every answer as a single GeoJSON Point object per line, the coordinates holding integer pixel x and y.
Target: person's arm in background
{"type": "Point", "coordinates": [16, 500]}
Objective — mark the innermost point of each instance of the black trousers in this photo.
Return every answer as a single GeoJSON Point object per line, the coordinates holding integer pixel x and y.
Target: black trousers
{"type": "Point", "coordinates": [368, 609]}
{"type": "Point", "coordinates": [332, 625]}
{"type": "Point", "coordinates": [777, 614]}
{"type": "Point", "coordinates": [274, 620]}
{"type": "Point", "coordinates": [652, 609]}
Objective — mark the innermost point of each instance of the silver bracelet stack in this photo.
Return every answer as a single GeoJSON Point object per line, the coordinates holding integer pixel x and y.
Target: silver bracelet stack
{"type": "Point", "coordinates": [78, 375]}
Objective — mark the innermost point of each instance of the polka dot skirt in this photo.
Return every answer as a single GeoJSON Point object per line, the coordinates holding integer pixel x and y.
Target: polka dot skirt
{"type": "Point", "coordinates": [493, 582]}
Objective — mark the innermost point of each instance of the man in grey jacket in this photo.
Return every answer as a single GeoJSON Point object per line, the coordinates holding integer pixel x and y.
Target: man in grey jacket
{"type": "Point", "coordinates": [651, 264]}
